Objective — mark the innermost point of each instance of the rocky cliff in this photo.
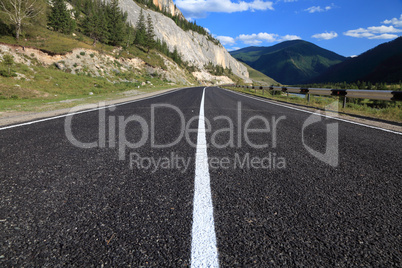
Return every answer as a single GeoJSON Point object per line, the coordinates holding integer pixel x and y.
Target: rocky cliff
{"type": "Point", "coordinates": [168, 6]}
{"type": "Point", "coordinates": [195, 48]}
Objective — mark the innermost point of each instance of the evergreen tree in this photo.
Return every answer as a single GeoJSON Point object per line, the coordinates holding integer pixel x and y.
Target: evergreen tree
{"type": "Point", "coordinates": [130, 35]}
{"type": "Point", "coordinates": [117, 23]}
{"type": "Point", "coordinates": [8, 60]}
{"type": "Point", "coordinates": [150, 34]}
{"type": "Point", "coordinates": [176, 56]}
{"type": "Point", "coordinates": [95, 24]}
{"type": "Point", "coordinates": [141, 34]}
{"type": "Point", "coordinates": [60, 18]}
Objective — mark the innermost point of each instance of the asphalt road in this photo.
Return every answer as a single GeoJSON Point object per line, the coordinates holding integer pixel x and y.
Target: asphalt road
{"type": "Point", "coordinates": [111, 203]}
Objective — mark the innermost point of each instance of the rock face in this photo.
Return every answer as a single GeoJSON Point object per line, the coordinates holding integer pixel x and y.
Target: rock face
{"type": "Point", "coordinates": [168, 6]}
{"type": "Point", "coordinates": [195, 48]}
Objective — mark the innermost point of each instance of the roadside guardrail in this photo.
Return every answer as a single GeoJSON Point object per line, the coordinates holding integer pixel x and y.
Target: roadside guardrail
{"type": "Point", "coordinates": [385, 95]}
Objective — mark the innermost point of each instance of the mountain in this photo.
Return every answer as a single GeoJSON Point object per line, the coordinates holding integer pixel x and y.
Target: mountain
{"type": "Point", "coordinates": [290, 62]}
{"type": "Point", "coordinates": [196, 49]}
{"type": "Point", "coordinates": [380, 64]}
{"type": "Point", "coordinates": [259, 78]}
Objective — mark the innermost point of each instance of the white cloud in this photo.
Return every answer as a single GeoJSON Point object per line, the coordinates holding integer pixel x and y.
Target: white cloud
{"type": "Point", "coordinates": [289, 38]}
{"type": "Point", "coordinates": [383, 29]}
{"type": "Point", "coordinates": [385, 36]}
{"type": "Point", "coordinates": [315, 9]}
{"type": "Point", "coordinates": [257, 39]}
{"type": "Point", "coordinates": [396, 22]}
{"type": "Point", "coordinates": [359, 33]}
{"type": "Point", "coordinates": [200, 8]}
{"type": "Point", "coordinates": [374, 32]}
{"type": "Point", "coordinates": [233, 48]}
{"type": "Point", "coordinates": [250, 39]}
{"type": "Point", "coordinates": [226, 40]}
{"type": "Point", "coordinates": [325, 36]}
{"type": "Point", "coordinates": [378, 32]}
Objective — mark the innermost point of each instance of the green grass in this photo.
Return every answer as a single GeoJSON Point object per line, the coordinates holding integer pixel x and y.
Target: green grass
{"type": "Point", "coordinates": [49, 88]}
{"type": "Point", "coordinates": [58, 43]}
{"type": "Point", "coordinates": [393, 111]}
{"type": "Point", "coordinates": [41, 38]}
{"type": "Point", "coordinates": [259, 78]}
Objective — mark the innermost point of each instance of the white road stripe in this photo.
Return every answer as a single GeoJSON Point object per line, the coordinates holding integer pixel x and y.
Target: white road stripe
{"type": "Point", "coordinates": [204, 252]}
{"type": "Point", "coordinates": [309, 112]}
{"type": "Point", "coordinates": [85, 111]}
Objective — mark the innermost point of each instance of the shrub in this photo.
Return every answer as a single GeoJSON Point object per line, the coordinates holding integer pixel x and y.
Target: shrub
{"type": "Point", "coordinates": [6, 73]}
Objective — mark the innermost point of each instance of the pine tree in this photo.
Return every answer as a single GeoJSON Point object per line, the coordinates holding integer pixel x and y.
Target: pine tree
{"type": "Point", "coordinates": [176, 56]}
{"type": "Point", "coordinates": [130, 35]}
{"type": "Point", "coordinates": [8, 60]}
{"type": "Point", "coordinates": [60, 18]}
{"type": "Point", "coordinates": [141, 34]}
{"type": "Point", "coordinates": [150, 34]}
{"type": "Point", "coordinates": [117, 23]}
{"type": "Point", "coordinates": [95, 24]}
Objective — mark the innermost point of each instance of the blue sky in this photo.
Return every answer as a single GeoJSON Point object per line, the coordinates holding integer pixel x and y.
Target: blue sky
{"type": "Point", "coordinates": [347, 27]}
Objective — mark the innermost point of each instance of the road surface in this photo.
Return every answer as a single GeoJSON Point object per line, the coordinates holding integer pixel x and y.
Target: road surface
{"type": "Point", "coordinates": [277, 187]}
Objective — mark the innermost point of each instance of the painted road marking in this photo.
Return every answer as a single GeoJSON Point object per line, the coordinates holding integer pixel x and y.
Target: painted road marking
{"type": "Point", "coordinates": [86, 110]}
{"type": "Point", "coordinates": [204, 252]}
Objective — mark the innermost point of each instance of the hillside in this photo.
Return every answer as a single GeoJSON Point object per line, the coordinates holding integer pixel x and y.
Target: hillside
{"type": "Point", "coordinates": [290, 62]}
{"type": "Point", "coordinates": [259, 78]}
{"type": "Point", "coordinates": [378, 65]}
{"type": "Point", "coordinates": [196, 49]}
{"type": "Point", "coordinates": [114, 26]}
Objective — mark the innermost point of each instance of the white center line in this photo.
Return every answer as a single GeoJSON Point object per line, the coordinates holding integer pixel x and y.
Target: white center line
{"type": "Point", "coordinates": [204, 252]}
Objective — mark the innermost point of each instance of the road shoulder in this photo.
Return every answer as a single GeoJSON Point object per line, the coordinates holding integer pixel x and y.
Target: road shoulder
{"type": "Point", "coordinates": [21, 117]}
{"type": "Point", "coordinates": [363, 120]}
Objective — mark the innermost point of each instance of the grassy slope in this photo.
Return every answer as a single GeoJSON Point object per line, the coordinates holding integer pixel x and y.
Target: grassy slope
{"type": "Point", "coordinates": [54, 42]}
{"type": "Point", "coordinates": [45, 88]}
{"type": "Point", "coordinates": [259, 78]}
{"type": "Point", "coordinates": [48, 88]}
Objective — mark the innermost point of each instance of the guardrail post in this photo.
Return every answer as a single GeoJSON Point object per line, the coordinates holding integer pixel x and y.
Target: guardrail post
{"type": "Point", "coordinates": [308, 98]}
{"type": "Point", "coordinates": [344, 102]}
